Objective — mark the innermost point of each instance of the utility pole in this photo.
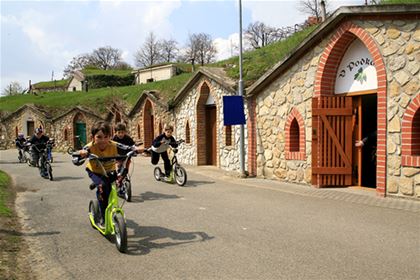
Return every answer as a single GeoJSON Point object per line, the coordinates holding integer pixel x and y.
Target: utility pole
{"type": "Point", "coordinates": [240, 93]}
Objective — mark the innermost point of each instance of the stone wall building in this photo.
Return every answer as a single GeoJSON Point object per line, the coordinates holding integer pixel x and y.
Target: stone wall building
{"type": "Point", "coordinates": [356, 74]}
{"type": "Point", "coordinates": [198, 114]}
{"type": "Point", "coordinates": [72, 128]}
{"type": "Point", "coordinates": [148, 117]}
{"type": "Point", "coordinates": [24, 120]}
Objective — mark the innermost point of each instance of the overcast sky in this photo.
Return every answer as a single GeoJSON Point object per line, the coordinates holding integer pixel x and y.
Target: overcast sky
{"type": "Point", "coordinates": [39, 37]}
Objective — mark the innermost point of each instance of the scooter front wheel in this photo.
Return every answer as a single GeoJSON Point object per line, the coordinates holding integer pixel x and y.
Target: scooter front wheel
{"type": "Point", "coordinates": [120, 233]}
{"type": "Point", "coordinates": [180, 175]}
{"type": "Point", "coordinates": [157, 173]}
{"type": "Point", "coordinates": [94, 211]}
{"type": "Point", "coordinates": [127, 187]}
{"type": "Point", "coordinates": [49, 171]}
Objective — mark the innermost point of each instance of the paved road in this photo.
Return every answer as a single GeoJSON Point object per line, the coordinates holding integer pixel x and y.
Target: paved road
{"type": "Point", "coordinates": [217, 227]}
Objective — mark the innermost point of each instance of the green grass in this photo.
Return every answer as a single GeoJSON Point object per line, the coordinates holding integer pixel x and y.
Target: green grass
{"type": "Point", "coordinates": [4, 184]}
{"type": "Point", "coordinates": [95, 98]}
{"type": "Point", "coordinates": [51, 84]}
{"type": "Point", "coordinates": [257, 62]}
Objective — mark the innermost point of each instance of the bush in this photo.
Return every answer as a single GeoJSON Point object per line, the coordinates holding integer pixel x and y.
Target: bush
{"type": "Point", "coordinates": [101, 81]}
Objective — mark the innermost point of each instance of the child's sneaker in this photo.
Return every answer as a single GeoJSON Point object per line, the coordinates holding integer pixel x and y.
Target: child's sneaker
{"type": "Point", "coordinates": [92, 186]}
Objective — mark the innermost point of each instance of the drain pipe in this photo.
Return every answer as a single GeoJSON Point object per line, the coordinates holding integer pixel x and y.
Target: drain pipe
{"type": "Point", "coordinates": [323, 11]}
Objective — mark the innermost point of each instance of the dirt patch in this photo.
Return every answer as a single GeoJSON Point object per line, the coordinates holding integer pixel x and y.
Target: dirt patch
{"type": "Point", "coordinates": [14, 251]}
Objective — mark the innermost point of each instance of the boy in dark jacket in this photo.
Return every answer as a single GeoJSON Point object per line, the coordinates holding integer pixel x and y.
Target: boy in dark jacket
{"type": "Point", "coordinates": [38, 144]}
{"type": "Point", "coordinates": [160, 146]}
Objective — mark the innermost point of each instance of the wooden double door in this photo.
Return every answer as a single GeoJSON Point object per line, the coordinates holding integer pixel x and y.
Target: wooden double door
{"type": "Point", "coordinates": [337, 123]}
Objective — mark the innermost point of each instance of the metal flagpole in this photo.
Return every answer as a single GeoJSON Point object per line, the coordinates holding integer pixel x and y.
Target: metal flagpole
{"type": "Point", "coordinates": [240, 93]}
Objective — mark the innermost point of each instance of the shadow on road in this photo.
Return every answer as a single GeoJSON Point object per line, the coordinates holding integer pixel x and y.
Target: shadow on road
{"type": "Point", "coordinates": [145, 239]}
{"type": "Point", "coordinates": [65, 178]}
{"type": "Point", "coordinates": [17, 233]}
{"type": "Point", "coordinates": [153, 196]}
{"type": "Point", "coordinates": [192, 183]}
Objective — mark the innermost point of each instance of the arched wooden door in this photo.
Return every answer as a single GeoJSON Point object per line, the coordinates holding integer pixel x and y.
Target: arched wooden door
{"type": "Point", "coordinates": [79, 131]}
{"type": "Point", "coordinates": [148, 124]}
{"type": "Point", "coordinates": [211, 133]}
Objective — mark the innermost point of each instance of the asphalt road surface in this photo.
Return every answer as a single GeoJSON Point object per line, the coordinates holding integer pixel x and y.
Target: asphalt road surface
{"type": "Point", "coordinates": [216, 227]}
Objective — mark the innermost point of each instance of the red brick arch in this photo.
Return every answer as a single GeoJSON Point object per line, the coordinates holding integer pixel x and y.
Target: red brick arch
{"type": "Point", "coordinates": [411, 134]}
{"type": "Point", "coordinates": [204, 90]}
{"type": "Point", "coordinates": [325, 82]}
{"type": "Point", "coordinates": [295, 138]}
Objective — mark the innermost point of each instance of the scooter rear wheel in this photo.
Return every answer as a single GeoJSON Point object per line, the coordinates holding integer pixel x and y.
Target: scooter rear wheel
{"type": "Point", "coordinates": [120, 233]}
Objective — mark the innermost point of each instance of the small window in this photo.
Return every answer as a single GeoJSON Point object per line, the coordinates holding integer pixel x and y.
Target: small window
{"type": "Point", "coordinates": [150, 80]}
{"type": "Point", "coordinates": [294, 136]}
{"type": "Point", "coordinates": [117, 117]}
{"type": "Point", "coordinates": [228, 135]}
{"type": "Point", "coordinates": [66, 135]}
{"type": "Point", "coordinates": [138, 131]}
{"type": "Point", "coordinates": [16, 131]}
{"type": "Point", "coordinates": [160, 128]}
{"type": "Point", "coordinates": [187, 133]}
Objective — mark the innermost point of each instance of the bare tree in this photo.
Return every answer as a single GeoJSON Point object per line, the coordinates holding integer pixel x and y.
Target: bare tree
{"type": "Point", "coordinates": [169, 50]}
{"type": "Point", "coordinates": [150, 53]}
{"type": "Point", "coordinates": [311, 7]}
{"type": "Point", "coordinates": [78, 62]}
{"type": "Point", "coordinates": [259, 35]}
{"type": "Point", "coordinates": [200, 48]}
{"type": "Point", "coordinates": [14, 88]}
{"type": "Point", "coordinates": [105, 57]}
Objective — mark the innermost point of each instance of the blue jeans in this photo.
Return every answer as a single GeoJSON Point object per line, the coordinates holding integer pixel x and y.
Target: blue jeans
{"type": "Point", "coordinates": [103, 189]}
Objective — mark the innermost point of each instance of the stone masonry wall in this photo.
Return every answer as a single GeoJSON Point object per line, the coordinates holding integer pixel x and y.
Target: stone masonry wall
{"type": "Point", "coordinates": [228, 157]}
{"type": "Point", "coordinates": [399, 42]}
{"type": "Point", "coordinates": [293, 89]}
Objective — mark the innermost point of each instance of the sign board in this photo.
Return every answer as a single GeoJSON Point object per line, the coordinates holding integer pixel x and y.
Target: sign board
{"type": "Point", "coordinates": [233, 110]}
{"type": "Point", "coordinates": [357, 70]}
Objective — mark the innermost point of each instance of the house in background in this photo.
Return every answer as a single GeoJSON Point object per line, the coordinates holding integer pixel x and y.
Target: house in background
{"type": "Point", "coordinates": [155, 73]}
{"type": "Point", "coordinates": [77, 82]}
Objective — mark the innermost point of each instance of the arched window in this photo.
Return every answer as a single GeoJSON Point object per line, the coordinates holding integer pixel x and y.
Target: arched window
{"type": "Point", "coordinates": [138, 131]}
{"type": "Point", "coordinates": [411, 134]}
{"type": "Point", "coordinates": [228, 135]}
{"type": "Point", "coordinates": [16, 131]}
{"type": "Point", "coordinates": [66, 135]}
{"type": "Point", "coordinates": [295, 136]}
{"type": "Point", "coordinates": [187, 133]}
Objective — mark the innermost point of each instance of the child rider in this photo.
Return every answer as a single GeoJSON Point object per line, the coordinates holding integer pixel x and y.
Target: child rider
{"type": "Point", "coordinates": [103, 146]}
{"type": "Point", "coordinates": [122, 138]}
{"type": "Point", "coordinates": [160, 146]}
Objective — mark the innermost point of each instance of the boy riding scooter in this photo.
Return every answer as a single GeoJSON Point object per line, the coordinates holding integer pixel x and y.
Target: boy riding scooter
{"type": "Point", "coordinates": [160, 146]}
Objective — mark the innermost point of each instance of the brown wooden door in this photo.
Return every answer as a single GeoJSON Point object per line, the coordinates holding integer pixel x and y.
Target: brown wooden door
{"type": "Point", "coordinates": [211, 134]}
{"type": "Point", "coordinates": [332, 141]}
{"type": "Point", "coordinates": [30, 126]}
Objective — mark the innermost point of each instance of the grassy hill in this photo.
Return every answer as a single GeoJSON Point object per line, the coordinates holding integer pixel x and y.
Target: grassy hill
{"type": "Point", "coordinates": [96, 98]}
{"type": "Point", "coordinates": [255, 64]}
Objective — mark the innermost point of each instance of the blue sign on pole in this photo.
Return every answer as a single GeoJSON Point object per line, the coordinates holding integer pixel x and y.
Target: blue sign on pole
{"type": "Point", "coordinates": [233, 110]}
